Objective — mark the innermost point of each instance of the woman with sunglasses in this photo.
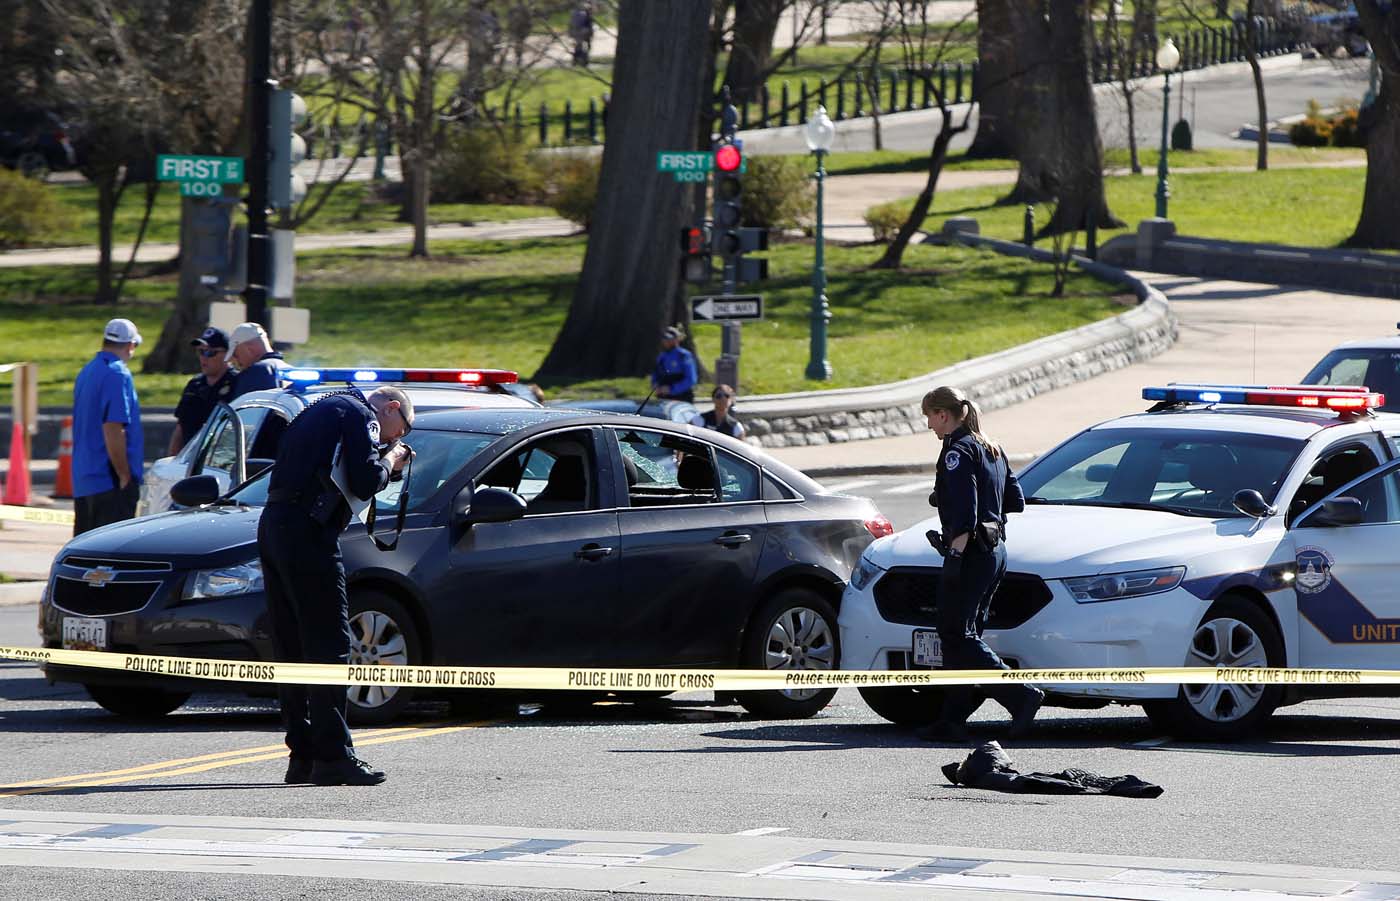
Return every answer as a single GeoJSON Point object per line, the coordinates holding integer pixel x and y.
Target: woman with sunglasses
{"type": "Point", "coordinates": [213, 384]}
{"type": "Point", "coordinates": [719, 418]}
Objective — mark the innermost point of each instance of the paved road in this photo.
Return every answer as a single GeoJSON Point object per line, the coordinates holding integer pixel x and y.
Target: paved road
{"type": "Point", "coordinates": [603, 797]}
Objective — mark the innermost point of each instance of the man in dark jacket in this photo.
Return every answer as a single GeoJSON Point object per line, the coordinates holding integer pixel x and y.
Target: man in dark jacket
{"type": "Point", "coordinates": [330, 452]}
{"type": "Point", "coordinates": [259, 366]}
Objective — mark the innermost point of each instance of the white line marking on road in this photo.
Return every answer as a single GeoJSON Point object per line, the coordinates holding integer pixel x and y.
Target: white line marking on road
{"type": "Point", "coordinates": [763, 830]}
{"type": "Point", "coordinates": [911, 489]}
{"type": "Point", "coordinates": [843, 487]}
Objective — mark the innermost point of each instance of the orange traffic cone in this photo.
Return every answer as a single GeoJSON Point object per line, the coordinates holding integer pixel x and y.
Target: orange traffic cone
{"type": "Point", "coordinates": [17, 487]}
{"type": "Point", "coordinates": [63, 479]}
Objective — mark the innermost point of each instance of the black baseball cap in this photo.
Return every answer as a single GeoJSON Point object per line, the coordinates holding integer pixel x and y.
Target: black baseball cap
{"type": "Point", "coordinates": [212, 337]}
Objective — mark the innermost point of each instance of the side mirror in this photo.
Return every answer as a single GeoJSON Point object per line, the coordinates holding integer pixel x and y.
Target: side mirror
{"type": "Point", "coordinates": [1339, 511]}
{"type": "Point", "coordinates": [196, 491]}
{"type": "Point", "coordinates": [487, 505]}
{"type": "Point", "coordinates": [1252, 503]}
{"type": "Point", "coordinates": [256, 465]}
{"type": "Point", "coordinates": [1099, 472]}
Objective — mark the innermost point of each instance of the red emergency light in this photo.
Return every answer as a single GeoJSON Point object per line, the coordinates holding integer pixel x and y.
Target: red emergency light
{"type": "Point", "coordinates": [1343, 398]}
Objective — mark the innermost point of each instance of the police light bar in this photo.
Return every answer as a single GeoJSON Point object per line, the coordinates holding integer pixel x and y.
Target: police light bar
{"type": "Point", "coordinates": [303, 376]}
{"type": "Point", "coordinates": [1338, 397]}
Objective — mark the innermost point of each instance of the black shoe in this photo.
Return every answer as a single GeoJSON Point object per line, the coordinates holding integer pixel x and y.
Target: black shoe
{"type": "Point", "coordinates": [1023, 716]}
{"type": "Point", "coordinates": [298, 770]}
{"type": "Point", "coordinates": [350, 771]}
{"type": "Point", "coordinates": [943, 731]}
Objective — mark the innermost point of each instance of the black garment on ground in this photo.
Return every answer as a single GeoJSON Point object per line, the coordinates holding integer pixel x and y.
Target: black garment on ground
{"type": "Point", "coordinates": [989, 767]}
{"type": "Point", "coordinates": [303, 574]}
{"type": "Point", "coordinates": [198, 399]}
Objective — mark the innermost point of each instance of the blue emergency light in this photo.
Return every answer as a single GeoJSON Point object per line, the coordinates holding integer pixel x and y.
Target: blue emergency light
{"type": "Point", "coordinates": [1342, 398]}
{"type": "Point", "coordinates": [303, 376]}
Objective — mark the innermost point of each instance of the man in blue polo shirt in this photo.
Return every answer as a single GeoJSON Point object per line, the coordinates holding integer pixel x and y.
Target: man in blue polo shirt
{"type": "Point", "coordinates": [673, 377]}
{"type": "Point", "coordinates": [107, 445]}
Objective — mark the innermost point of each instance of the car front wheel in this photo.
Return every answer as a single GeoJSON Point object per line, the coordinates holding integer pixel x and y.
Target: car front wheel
{"type": "Point", "coordinates": [1234, 633]}
{"type": "Point", "coordinates": [382, 633]}
{"type": "Point", "coordinates": [793, 630]}
{"type": "Point", "coordinates": [137, 703]}
{"type": "Point", "coordinates": [905, 705]}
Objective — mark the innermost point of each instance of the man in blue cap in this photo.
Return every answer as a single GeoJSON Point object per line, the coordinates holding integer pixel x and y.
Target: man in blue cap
{"type": "Point", "coordinates": [213, 385]}
{"type": "Point", "coordinates": [107, 445]}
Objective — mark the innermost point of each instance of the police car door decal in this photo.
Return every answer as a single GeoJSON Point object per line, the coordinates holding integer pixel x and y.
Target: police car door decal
{"type": "Point", "coordinates": [1331, 608]}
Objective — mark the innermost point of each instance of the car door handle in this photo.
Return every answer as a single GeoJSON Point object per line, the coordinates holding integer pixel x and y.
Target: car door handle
{"type": "Point", "coordinates": [592, 552]}
{"type": "Point", "coordinates": [733, 539]}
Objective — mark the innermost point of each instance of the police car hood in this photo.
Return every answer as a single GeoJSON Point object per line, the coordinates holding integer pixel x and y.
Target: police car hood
{"type": "Point", "coordinates": [208, 533]}
{"type": "Point", "coordinates": [1057, 542]}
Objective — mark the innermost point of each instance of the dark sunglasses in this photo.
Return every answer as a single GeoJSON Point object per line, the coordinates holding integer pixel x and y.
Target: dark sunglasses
{"type": "Point", "coordinates": [210, 354]}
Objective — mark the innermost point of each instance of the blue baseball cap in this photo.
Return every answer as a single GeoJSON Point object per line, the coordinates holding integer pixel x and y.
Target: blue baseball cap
{"type": "Point", "coordinates": [212, 337]}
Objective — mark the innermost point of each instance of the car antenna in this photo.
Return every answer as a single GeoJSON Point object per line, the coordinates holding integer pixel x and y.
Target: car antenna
{"type": "Point", "coordinates": [646, 400]}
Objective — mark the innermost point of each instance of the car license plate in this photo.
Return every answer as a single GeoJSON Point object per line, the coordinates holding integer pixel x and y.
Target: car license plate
{"type": "Point", "coordinates": [928, 650]}
{"type": "Point", "coordinates": [84, 634]}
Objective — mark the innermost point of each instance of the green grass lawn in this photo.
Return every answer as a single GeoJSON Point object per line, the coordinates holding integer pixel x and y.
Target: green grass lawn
{"type": "Point", "coordinates": [500, 304]}
{"type": "Point", "coordinates": [352, 207]}
{"type": "Point", "coordinates": [1308, 207]}
{"type": "Point", "coordinates": [875, 161]}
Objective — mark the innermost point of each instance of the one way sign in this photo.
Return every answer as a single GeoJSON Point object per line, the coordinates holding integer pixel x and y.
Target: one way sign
{"type": "Point", "coordinates": [726, 308]}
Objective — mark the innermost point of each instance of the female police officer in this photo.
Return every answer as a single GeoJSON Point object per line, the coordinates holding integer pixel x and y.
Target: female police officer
{"type": "Point", "coordinates": [974, 491]}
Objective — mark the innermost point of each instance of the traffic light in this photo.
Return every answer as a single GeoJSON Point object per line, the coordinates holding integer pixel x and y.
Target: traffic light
{"type": "Point", "coordinates": [729, 199]}
{"type": "Point", "coordinates": [695, 254]}
{"type": "Point", "coordinates": [285, 189]}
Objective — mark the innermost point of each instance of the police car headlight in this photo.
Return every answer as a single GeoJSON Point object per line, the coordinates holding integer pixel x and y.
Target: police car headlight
{"type": "Point", "coordinates": [226, 581]}
{"type": "Point", "coordinates": [864, 573]}
{"type": "Point", "coordinates": [1115, 586]}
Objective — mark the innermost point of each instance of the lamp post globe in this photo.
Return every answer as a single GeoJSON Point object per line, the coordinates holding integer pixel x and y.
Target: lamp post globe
{"type": "Point", "coordinates": [820, 132]}
{"type": "Point", "coordinates": [1168, 58]}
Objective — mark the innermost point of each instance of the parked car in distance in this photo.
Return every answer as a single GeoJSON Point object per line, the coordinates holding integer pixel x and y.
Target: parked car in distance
{"type": "Point", "coordinates": [1372, 362]}
{"type": "Point", "coordinates": [35, 142]}
{"type": "Point", "coordinates": [656, 408]}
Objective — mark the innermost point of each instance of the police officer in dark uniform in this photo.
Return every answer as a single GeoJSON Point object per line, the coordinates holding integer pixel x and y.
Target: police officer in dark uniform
{"type": "Point", "coordinates": [299, 544]}
{"type": "Point", "coordinates": [212, 386]}
{"type": "Point", "coordinates": [974, 491]}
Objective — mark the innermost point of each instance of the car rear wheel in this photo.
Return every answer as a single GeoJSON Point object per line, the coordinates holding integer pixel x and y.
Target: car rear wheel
{"type": "Point", "coordinates": [794, 629]}
{"type": "Point", "coordinates": [1234, 633]}
{"type": "Point", "coordinates": [382, 633]}
{"type": "Point", "coordinates": [905, 705]}
{"type": "Point", "coordinates": [137, 703]}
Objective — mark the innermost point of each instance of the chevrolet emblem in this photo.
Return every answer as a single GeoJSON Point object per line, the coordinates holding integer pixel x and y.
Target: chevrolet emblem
{"type": "Point", "coordinates": [99, 577]}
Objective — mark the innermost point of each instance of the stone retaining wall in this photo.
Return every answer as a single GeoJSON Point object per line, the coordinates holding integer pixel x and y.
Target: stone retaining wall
{"type": "Point", "coordinates": [994, 381]}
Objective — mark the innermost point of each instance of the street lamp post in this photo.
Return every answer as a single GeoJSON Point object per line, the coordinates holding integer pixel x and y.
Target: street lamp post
{"type": "Point", "coordinates": [819, 132]}
{"type": "Point", "coordinates": [1167, 59]}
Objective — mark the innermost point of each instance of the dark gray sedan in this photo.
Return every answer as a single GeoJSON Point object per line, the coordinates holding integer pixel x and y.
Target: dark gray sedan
{"type": "Point", "coordinates": [532, 537]}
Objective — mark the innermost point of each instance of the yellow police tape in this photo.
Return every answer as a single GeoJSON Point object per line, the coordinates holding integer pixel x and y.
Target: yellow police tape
{"type": "Point", "coordinates": [35, 514]}
{"type": "Point", "coordinates": [595, 679]}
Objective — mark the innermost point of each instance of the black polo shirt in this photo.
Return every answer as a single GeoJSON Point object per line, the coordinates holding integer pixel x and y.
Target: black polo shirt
{"type": "Point", "coordinates": [198, 400]}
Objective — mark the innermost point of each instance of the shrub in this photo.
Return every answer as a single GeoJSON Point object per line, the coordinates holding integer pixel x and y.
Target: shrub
{"type": "Point", "coordinates": [481, 165]}
{"type": "Point", "coordinates": [885, 219]}
{"type": "Point", "coordinates": [29, 211]}
{"type": "Point", "coordinates": [1311, 132]}
{"type": "Point", "coordinates": [778, 192]}
{"type": "Point", "coordinates": [1346, 130]}
{"type": "Point", "coordinates": [570, 185]}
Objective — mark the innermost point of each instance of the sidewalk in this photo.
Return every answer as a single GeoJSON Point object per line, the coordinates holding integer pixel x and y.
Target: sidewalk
{"type": "Point", "coordinates": [1229, 332]}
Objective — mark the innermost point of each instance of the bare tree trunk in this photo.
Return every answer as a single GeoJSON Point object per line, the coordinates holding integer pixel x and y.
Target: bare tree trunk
{"type": "Point", "coordinates": [997, 82]}
{"type": "Point", "coordinates": [755, 24]}
{"type": "Point", "coordinates": [204, 234]}
{"type": "Point", "coordinates": [422, 132]}
{"type": "Point", "coordinates": [1113, 38]}
{"type": "Point", "coordinates": [629, 277]}
{"type": "Point", "coordinates": [1251, 52]}
{"type": "Point", "coordinates": [1144, 23]}
{"type": "Point", "coordinates": [1379, 225]}
{"type": "Point", "coordinates": [894, 253]}
{"type": "Point", "coordinates": [108, 194]}
{"type": "Point", "coordinates": [152, 188]}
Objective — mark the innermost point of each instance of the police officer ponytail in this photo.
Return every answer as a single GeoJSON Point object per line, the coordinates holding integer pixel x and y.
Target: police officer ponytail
{"type": "Point", "coordinates": [965, 410]}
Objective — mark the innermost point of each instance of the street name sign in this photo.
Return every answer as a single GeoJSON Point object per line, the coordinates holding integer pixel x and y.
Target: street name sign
{"type": "Point", "coordinates": [726, 308]}
{"type": "Point", "coordinates": [200, 176]}
{"type": "Point", "coordinates": [689, 165]}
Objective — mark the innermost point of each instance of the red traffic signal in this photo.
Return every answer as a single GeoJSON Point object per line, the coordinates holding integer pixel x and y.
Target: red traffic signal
{"type": "Point", "coordinates": [728, 158]}
{"type": "Point", "coordinates": [695, 241]}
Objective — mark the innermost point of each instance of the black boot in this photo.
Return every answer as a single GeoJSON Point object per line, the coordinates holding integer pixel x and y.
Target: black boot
{"type": "Point", "coordinates": [298, 770]}
{"type": "Point", "coordinates": [1023, 709]}
{"type": "Point", "coordinates": [350, 771]}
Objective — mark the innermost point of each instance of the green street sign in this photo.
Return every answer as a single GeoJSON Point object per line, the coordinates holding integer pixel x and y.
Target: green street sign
{"type": "Point", "coordinates": [203, 170]}
{"type": "Point", "coordinates": [201, 189]}
{"type": "Point", "coordinates": [689, 165]}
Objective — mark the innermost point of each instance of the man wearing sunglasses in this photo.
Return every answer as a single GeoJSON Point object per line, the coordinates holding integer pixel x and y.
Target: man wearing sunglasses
{"type": "Point", "coordinates": [213, 385]}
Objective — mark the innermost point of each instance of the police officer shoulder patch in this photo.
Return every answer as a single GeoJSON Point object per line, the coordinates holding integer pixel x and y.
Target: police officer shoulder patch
{"type": "Point", "coordinates": [373, 427]}
{"type": "Point", "coordinates": [952, 459]}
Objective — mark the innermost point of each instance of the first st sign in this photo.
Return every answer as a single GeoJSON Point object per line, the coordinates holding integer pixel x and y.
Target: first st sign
{"type": "Point", "coordinates": [200, 176]}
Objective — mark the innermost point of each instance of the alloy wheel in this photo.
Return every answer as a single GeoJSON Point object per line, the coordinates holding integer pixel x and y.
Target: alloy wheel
{"type": "Point", "coordinates": [375, 640]}
{"type": "Point", "coordinates": [1225, 642]}
{"type": "Point", "coordinates": [800, 639]}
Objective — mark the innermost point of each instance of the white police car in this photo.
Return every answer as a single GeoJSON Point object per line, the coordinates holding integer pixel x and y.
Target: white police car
{"type": "Point", "coordinates": [1236, 526]}
{"type": "Point", "coordinates": [240, 438]}
{"type": "Point", "coordinates": [1373, 362]}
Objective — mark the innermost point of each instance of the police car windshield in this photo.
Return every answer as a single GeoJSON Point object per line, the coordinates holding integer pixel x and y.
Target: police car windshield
{"type": "Point", "coordinates": [437, 457]}
{"type": "Point", "coordinates": [1188, 472]}
{"type": "Point", "coordinates": [1376, 368]}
